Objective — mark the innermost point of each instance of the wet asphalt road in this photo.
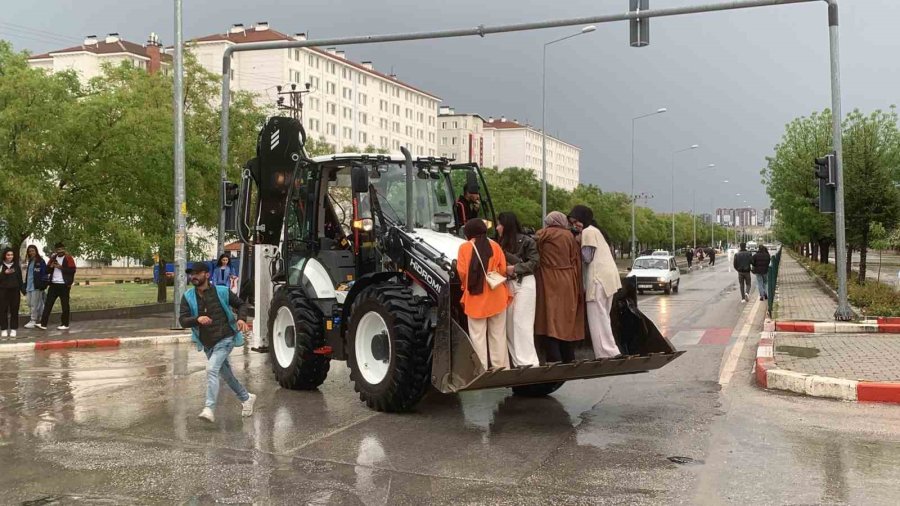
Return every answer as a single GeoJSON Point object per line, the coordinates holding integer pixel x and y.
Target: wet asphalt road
{"type": "Point", "coordinates": [120, 427]}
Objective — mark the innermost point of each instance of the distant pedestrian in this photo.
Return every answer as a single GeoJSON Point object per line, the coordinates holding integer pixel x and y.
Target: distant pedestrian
{"type": "Point", "coordinates": [712, 256]}
{"type": "Point", "coordinates": [761, 261]}
{"type": "Point", "coordinates": [521, 261]}
{"type": "Point", "coordinates": [61, 273]}
{"type": "Point", "coordinates": [743, 263]}
{"type": "Point", "coordinates": [560, 307]}
{"type": "Point", "coordinates": [689, 255]}
{"type": "Point", "coordinates": [208, 311]}
{"type": "Point", "coordinates": [10, 288]}
{"type": "Point", "coordinates": [223, 274]}
{"type": "Point", "coordinates": [35, 284]}
{"type": "Point", "coordinates": [484, 306]}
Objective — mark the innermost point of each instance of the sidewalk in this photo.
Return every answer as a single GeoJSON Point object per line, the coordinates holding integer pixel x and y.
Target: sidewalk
{"type": "Point", "coordinates": [846, 361]}
{"type": "Point", "coordinates": [154, 325]}
{"type": "Point", "coordinates": [800, 297]}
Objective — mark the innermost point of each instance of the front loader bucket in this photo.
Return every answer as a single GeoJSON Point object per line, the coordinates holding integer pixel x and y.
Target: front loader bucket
{"type": "Point", "coordinates": [456, 366]}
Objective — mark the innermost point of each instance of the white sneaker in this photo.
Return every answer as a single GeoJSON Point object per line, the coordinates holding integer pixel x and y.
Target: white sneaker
{"type": "Point", "coordinates": [208, 415]}
{"type": "Point", "coordinates": [31, 324]}
{"type": "Point", "coordinates": [4, 333]}
{"type": "Point", "coordinates": [247, 406]}
{"type": "Point", "coordinates": [62, 327]}
{"type": "Point", "coordinates": [39, 326]}
{"type": "Point", "coordinates": [12, 333]}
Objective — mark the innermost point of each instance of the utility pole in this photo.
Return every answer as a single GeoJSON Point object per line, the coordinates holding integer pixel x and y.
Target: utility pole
{"type": "Point", "coordinates": [180, 203]}
{"type": "Point", "coordinates": [295, 100]}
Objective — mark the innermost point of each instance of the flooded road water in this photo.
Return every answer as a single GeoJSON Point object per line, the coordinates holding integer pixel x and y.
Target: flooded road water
{"type": "Point", "coordinates": [121, 427]}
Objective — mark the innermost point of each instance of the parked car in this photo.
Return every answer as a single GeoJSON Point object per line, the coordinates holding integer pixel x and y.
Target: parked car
{"type": "Point", "coordinates": [660, 253]}
{"type": "Point", "coordinates": [655, 273]}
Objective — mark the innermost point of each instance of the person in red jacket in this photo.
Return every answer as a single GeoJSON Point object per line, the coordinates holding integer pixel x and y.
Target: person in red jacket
{"type": "Point", "coordinates": [61, 274]}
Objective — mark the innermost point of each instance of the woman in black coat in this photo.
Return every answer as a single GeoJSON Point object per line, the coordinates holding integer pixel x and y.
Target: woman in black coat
{"type": "Point", "coordinates": [10, 290]}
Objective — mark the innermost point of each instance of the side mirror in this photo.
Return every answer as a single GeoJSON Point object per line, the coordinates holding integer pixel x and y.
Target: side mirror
{"type": "Point", "coordinates": [359, 179]}
{"type": "Point", "coordinates": [442, 220]}
{"type": "Point", "coordinates": [629, 269]}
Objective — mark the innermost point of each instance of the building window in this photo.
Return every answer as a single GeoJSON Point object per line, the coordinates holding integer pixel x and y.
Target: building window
{"type": "Point", "coordinates": [383, 105]}
{"type": "Point", "coordinates": [453, 141]}
{"type": "Point", "coordinates": [396, 110]}
{"type": "Point", "coordinates": [347, 93]}
{"type": "Point", "coordinates": [332, 68]}
{"type": "Point", "coordinates": [348, 113]}
{"type": "Point", "coordinates": [384, 142]}
{"type": "Point", "coordinates": [364, 118]}
{"type": "Point", "coordinates": [409, 113]}
{"type": "Point", "coordinates": [348, 133]}
{"type": "Point", "coordinates": [396, 145]}
{"type": "Point", "coordinates": [456, 124]}
{"type": "Point", "coordinates": [314, 82]}
{"type": "Point", "coordinates": [396, 126]}
{"type": "Point", "coordinates": [332, 108]}
{"type": "Point", "coordinates": [363, 80]}
{"type": "Point", "coordinates": [363, 99]}
{"type": "Point", "coordinates": [363, 138]}
{"type": "Point", "coordinates": [443, 141]}
{"type": "Point", "coordinates": [332, 128]}
{"type": "Point", "coordinates": [331, 88]}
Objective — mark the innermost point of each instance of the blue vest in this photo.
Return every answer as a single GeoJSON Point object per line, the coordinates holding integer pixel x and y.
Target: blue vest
{"type": "Point", "coordinates": [222, 292]}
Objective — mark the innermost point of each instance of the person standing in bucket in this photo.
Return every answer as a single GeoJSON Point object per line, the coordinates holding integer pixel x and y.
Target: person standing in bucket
{"type": "Point", "coordinates": [61, 273]}
{"type": "Point", "coordinates": [207, 311]}
{"type": "Point", "coordinates": [601, 281]}
{"type": "Point", "coordinates": [522, 259]}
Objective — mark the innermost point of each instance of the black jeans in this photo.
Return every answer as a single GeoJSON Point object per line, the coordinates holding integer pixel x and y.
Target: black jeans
{"type": "Point", "coordinates": [61, 292]}
{"type": "Point", "coordinates": [9, 308]}
{"type": "Point", "coordinates": [556, 350]}
{"type": "Point", "coordinates": [744, 279]}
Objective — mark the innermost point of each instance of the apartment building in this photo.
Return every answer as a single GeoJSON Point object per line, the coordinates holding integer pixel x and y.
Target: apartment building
{"type": "Point", "coordinates": [349, 104]}
{"type": "Point", "coordinates": [88, 58]}
{"type": "Point", "coordinates": [460, 136]}
{"type": "Point", "coordinates": [740, 217]}
{"type": "Point", "coordinates": [512, 144]}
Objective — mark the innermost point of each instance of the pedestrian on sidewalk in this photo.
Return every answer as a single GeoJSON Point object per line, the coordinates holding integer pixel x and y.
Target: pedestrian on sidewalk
{"type": "Point", "coordinates": [61, 273]}
{"type": "Point", "coordinates": [743, 263]}
{"type": "Point", "coordinates": [761, 268]}
{"type": "Point", "coordinates": [223, 274]}
{"type": "Point", "coordinates": [207, 311]}
{"type": "Point", "coordinates": [689, 254]}
{"type": "Point", "coordinates": [35, 284]}
{"type": "Point", "coordinates": [10, 288]}
{"type": "Point", "coordinates": [601, 281]}
{"type": "Point", "coordinates": [521, 261]}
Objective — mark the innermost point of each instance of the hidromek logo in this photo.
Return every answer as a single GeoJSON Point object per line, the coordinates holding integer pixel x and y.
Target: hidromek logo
{"type": "Point", "coordinates": [425, 275]}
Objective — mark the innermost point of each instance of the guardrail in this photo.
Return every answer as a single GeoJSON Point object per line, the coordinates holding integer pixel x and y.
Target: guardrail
{"type": "Point", "coordinates": [774, 263]}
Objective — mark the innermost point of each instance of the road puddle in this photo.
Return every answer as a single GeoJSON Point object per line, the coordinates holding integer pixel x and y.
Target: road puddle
{"type": "Point", "coordinates": [798, 351]}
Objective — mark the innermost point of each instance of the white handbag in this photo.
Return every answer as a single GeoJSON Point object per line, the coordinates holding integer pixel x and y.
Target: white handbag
{"type": "Point", "coordinates": [493, 278]}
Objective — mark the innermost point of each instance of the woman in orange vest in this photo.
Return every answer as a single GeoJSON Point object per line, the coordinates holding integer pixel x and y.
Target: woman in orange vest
{"type": "Point", "coordinates": [484, 306]}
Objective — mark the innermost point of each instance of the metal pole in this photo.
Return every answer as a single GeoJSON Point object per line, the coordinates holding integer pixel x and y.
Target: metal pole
{"type": "Point", "coordinates": [180, 204]}
{"type": "Point", "coordinates": [479, 31]}
{"type": "Point", "coordinates": [673, 203]}
{"type": "Point", "coordinates": [843, 312]}
{"type": "Point", "coordinates": [694, 215]}
{"type": "Point", "coordinates": [633, 233]}
{"type": "Point", "coordinates": [544, 134]}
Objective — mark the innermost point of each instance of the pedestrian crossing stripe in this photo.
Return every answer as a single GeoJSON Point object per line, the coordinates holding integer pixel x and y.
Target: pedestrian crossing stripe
{"type": "Point", "coordinates": [720, 336]}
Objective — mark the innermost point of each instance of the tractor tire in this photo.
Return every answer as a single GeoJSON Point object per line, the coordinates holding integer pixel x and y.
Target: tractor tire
{"type": "Point", "coordinates": [388, 347]}
{"type": "Point", "coordinates": [295, 332]}
{"type": "Point", "coordinates": [537, 390]}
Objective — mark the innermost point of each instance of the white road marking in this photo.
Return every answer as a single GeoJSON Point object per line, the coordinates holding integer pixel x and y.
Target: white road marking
{"type": "Point", "coordinates": [687, 338]}
{"type": "Point", "coordinates": [738, 348]}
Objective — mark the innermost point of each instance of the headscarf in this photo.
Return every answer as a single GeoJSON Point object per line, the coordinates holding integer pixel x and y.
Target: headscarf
{"type": "Point", "coordinates": [556, 219]}
{"type": "Point", "coordinates": [475, 229]}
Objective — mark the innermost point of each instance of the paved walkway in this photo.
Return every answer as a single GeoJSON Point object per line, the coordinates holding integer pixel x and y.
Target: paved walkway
{"type": "Point", "coordinates": [94, 329]}
{"type": "Point", "coordinates": [799, 296]}
{"type": "Point", "coordinates": [861, 357]}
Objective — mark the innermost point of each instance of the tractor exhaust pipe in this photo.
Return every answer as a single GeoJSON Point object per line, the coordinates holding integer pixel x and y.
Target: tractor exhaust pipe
{"type": "Point", "coordinates": [410, 181]}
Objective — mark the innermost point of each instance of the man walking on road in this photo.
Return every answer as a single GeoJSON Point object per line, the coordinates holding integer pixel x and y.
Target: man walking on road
{"type": "Point", "coordinates": [689, 254]}
{"type": "Point", "coordinates": [207, 311]}
{"type": "Point", "coordinates": [743, 263]}
{"type": "Point", "coordinates": [61, 271]}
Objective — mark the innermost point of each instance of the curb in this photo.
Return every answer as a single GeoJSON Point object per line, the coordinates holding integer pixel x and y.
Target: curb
{"type": "Point", "coordinates": [109, 342]}
{"type": "Point", "coordinates": [879, 326]}
{"type": "Point", "coordinates": [109, 313]}
{"type": "Point", "coordinates": [769, 377]}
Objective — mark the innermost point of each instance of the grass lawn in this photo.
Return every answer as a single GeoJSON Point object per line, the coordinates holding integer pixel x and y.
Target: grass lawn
{"type": "Point", "coordinates": [108, 296]}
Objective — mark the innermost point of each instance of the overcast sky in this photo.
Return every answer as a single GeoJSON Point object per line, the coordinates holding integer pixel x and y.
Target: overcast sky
{"type": "Point", "coordinates": [730, 80]}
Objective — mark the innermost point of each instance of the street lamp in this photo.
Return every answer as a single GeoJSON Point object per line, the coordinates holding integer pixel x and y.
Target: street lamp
{"type": "Point", "coordinates": [586, 29]}
{"type": "Point", "coordinates": [633, 120]}
{"type": "Point", "coordinates": [694, 146]}
{"type": "Point", "coordinates": [694, 204]}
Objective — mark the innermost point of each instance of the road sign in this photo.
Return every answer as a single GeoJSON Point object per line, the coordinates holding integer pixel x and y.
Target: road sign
{"type": "Point", "coordinates": [640, 27]}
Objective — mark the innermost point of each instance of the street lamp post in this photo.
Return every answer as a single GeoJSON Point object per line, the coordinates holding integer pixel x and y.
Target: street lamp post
{"type": "Point", "coordinates": [633, 120]}
{"type": "Point", "coordinates": [586, 29]}
{"type": "Point", "coordinates": [695, 146]}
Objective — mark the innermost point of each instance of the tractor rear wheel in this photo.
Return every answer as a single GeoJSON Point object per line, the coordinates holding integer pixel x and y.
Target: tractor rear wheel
{"type": "Point", "coordinates": [537, 390]}
{"type": "Point", "coordinates": [389, 347]}
{"type": "Point", "coordinates": [295, 335]}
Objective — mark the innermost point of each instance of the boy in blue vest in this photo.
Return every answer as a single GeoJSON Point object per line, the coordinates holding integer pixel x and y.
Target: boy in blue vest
{"type": "Point", "coordinates": [207, 311]}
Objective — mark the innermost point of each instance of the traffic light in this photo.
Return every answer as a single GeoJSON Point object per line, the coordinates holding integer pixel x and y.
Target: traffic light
{"type": "Point", "coordinates": [824, 168]}
{"type": "Point", "coordinates": [231, 192]}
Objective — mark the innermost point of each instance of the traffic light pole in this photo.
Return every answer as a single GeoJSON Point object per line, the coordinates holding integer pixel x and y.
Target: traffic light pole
{"type": "Point", "coordinates": [843, 312]}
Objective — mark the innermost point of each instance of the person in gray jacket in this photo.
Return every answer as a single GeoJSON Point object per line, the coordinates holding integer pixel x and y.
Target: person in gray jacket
{"type": "Point", "coordinates": [743, 263]}
{"type": "Point", "coordinates": [522, 259]}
